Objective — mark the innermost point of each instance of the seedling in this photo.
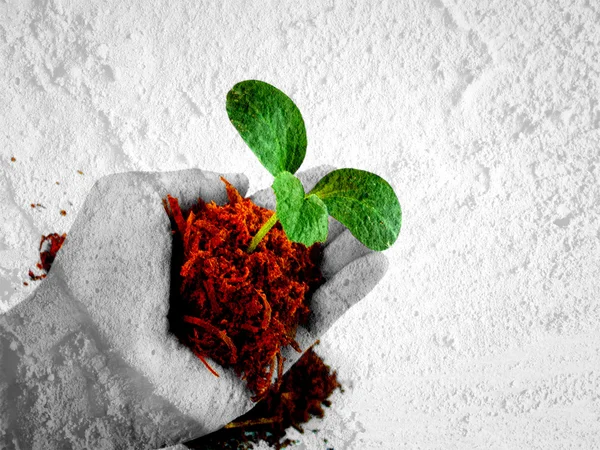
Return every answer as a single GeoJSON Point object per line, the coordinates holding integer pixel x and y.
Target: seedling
{"type": "Point", "coordinates": [272, 126]}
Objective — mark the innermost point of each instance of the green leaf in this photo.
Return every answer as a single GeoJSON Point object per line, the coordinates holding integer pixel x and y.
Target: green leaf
{"type": "Point", "coordinates": [365, 203]}
{"type": "Point", "coordinates": [303, 217]}
{"type": "Point", "coordinates": [270, 123]}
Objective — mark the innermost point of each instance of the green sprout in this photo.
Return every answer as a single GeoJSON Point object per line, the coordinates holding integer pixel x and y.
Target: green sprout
{"type": "Point", "coordinates": [272, 126]}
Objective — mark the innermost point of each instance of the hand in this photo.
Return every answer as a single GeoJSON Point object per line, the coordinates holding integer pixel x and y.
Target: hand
{"type": "Point", "coordinates": [88, 362]}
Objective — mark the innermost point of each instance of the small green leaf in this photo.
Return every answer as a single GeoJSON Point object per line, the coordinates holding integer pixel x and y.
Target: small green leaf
{"type": "Point", "coordinates": [270, 123]}
{"type": "Point", "coordinates": [365, 203]}
{"type": "Point", "coordinates": [303, 217]}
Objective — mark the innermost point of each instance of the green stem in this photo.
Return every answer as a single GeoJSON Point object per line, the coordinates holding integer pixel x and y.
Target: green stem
{"type": "Point", "coordinates": [262, 233]}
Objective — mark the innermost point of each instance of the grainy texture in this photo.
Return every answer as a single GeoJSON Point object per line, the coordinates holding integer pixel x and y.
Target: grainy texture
{"type": "Point", "coordinates": [239, 309]}
{"type": "Point", "coordinates": [484, 116]}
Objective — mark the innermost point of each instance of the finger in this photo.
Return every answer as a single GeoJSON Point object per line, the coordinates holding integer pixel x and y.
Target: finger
{"type": "Point", "coordinates": [265, 198]}
{"type": "Point", "coordinates": [305, 340]}
{"type": "Point", "coordinates": [348, 286]}
{"type": "Point", "coordinates": [189, 185]}
{"type": "Point", "coordinates": [340, 251]}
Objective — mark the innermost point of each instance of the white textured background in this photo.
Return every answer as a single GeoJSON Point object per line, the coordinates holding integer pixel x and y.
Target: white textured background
{"type": "Point", "coordinates": [484, 116]}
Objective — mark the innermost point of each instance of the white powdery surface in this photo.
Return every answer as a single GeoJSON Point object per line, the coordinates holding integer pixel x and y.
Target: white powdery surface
{"type": "Point", "coordinates": [484, 116]}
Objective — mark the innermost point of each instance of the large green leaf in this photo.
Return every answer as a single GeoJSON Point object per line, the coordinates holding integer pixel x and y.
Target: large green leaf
{"type": "Point", "coordinates": [270, 123]}
{"type": "Point", "coordinates": [365, 203]}
{"type": "Point", "coordinates": [303, 217]}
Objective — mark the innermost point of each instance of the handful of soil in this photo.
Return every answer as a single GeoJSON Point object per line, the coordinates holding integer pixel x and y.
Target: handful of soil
{"type": "Point", "coordinates": [236, 308]}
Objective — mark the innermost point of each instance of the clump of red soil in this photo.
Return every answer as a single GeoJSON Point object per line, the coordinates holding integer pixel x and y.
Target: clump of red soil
{"type": "Point", "coordinates": [236, 308]}
{"type": "Point", "coordinates": [302, 395]}
{"type": "Point", "coordinates": [49, 246]}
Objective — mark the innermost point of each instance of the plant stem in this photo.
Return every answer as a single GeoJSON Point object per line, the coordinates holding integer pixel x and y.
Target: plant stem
{"type": "Point", "coordinates": [250, 423]}
{"type": "Point", "coordinates": [262, 232]}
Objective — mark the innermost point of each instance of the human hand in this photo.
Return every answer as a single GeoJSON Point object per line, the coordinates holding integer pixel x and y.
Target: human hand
{"type": "Point", "coordinates": [88, 360]}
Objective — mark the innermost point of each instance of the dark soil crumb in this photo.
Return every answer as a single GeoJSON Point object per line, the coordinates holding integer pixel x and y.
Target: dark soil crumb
{"type": "Point", "coordinates": [49, 246]}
